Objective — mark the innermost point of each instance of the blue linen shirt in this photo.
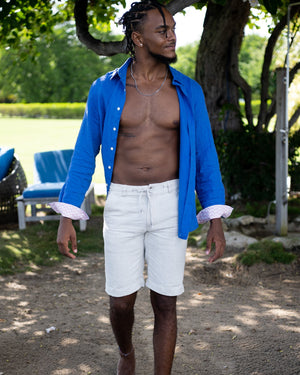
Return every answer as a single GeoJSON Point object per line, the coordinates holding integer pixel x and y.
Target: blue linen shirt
{"type": "Point", "coordinates": [198, 161]}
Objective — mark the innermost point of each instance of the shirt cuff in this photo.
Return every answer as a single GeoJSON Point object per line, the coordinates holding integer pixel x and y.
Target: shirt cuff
{"type": "Point", "coordinates": [69, 211]}
{"type": "Point", "coordinates": [214, 212]}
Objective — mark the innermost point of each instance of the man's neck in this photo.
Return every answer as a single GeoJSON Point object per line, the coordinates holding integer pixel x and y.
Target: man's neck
{"type": "Point", "coordinates": [148, 70]}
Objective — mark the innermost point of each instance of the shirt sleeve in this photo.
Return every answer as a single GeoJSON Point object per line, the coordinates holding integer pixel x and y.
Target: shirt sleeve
{"type": "Point", "coordinates": [209, 185]}
{"type": "Point", "coordinates": [214, 212]}
{"type": "Point", "coordinates": [69, 211]}
{"type": "Point", "coordinates": [87, 147]}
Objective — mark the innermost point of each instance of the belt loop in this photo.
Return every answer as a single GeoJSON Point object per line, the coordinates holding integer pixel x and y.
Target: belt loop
{"type": "Point", "coordinates": [168, 186]}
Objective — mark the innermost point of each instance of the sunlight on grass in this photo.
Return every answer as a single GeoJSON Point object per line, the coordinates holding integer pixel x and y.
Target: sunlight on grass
{"type": "Point", "coordinates": [36, 246]}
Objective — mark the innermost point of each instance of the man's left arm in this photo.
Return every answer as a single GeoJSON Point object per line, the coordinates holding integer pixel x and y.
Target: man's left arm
{"type": "Point", "coordinates": [209, 186]}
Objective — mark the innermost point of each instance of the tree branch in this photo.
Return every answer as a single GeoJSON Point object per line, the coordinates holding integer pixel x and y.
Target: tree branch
{"type": "Point", "coordinates": [240, 81]}
{"type": "Point", "coordinates": [294, 117]}
{"type": "Point", "coordinates": [266, 66]}
{"type": "Point", "coordinates": [110, 48]}
{"type": "Point", "coordinates": [294, 71]}
{"type": "Point", "coordinates": [176, 6]}
{"type": "Point", "coordinates": [272, 108]}
{"type": "Point", "coordinates": [82, 30]}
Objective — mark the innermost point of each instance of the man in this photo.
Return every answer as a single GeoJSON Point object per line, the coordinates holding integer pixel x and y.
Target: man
{"type": "Point", "coordinates": [157, 148]}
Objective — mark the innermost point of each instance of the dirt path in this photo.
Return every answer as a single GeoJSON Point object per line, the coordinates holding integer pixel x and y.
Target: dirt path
{"type": "Point", "coordinates": [229, 322]}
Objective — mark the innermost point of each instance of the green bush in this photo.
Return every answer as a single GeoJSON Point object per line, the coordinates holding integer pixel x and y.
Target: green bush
{"type": "Point", "coordinates": [43, 110]}
{"type": "Point", "coordinates": [247, 162]}
{"type": "Point", "coordinates": [265, 251]}
{"type": "Point", "coordinates": [294, 160]}
{"type": "Point", "coordinates": [255, 105]}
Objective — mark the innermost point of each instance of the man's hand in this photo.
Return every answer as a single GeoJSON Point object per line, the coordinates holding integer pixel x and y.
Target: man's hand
{"type": "Point", "coordinates": [215, 236]}
{"type": "Point", "coordinates": [66, 233]}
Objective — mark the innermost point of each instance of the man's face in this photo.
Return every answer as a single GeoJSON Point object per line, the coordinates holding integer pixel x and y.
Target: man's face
{"type": "Point", "coordinates": [159, 37]}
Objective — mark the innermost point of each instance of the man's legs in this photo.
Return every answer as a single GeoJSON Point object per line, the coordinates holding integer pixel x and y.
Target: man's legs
{"type": "Point", "coordinates": [165, 332]}
{"type": "Point", "coordinates": [122, 319]}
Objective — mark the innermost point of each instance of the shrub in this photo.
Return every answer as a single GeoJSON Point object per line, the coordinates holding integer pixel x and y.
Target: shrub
{"type": "Point", "coordinates": [43, 110]}
{"type": "Point", "coordinates": [294, 160]}
{"type": "Point", "coordinates": [265, 251]}
{"type": "Point", "coordinates": [247, 162]}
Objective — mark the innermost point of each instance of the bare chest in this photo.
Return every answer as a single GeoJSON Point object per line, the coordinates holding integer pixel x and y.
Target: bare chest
{"type": "Point", "coordinates": [159, 111]}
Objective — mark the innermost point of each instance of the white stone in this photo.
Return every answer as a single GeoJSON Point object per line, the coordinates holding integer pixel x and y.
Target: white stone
{"type": "Point", "coordinates": [238, 241]}
{"type": "Point", "coordinates": [289, 242]}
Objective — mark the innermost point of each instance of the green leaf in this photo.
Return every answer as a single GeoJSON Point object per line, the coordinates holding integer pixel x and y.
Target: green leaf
{"type": "Point", "coordinates": [272, 5]}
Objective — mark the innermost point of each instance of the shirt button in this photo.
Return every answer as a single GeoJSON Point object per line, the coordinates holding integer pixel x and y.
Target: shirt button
{"type": "Point", "coordinates": [112, 148]}
{"type": "Point", "coordinates": [114, 129]}
{"type": "Point", "coordinates": [118, 108]}
{"type": "Point", "coordinates": [109, 167]}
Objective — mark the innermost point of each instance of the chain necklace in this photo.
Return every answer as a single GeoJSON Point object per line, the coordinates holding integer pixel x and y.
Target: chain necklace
{"type": "Point", "coordinates": [139, 91]}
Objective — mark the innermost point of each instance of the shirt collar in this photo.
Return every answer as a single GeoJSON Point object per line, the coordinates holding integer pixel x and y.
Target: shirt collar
{"type": "Point", "coordinates": [121, 72]}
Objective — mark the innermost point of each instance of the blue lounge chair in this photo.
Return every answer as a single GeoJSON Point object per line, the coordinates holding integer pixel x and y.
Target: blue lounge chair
{"type": "Point", "coordinates": [50, 172]}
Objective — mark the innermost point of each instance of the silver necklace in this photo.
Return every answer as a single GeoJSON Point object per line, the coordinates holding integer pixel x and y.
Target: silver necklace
{"type": "Point", "coordinates": [142, 93]}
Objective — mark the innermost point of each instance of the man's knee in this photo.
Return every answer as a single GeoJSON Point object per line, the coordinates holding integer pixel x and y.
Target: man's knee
{"type": "Point", "coordinates": [163, 304]}
{"type": "Point", "coordinates": [122, 305]}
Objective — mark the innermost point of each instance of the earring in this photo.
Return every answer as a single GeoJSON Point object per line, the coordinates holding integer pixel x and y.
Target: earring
{"type": "Point", "coordinates": [141, 45]}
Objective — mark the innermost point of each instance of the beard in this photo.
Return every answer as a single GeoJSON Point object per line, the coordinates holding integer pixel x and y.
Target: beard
{"type": "Point", "coordinates": [164, 59]}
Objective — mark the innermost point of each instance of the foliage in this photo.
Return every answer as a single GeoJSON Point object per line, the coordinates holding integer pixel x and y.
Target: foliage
{"type": "Point", "coordinates": [250, 62]}
{"type": "Point", "coordinates": [36, 246]}
{"type": "Point", "coordinates": [186, 59]}
{"type": "Point", "coordinates": [247, 162]}
{"type": "Point", "coordinates": [271, 6]}
{"type": "Point", "coordinates": [26, 20]}
{"type": "Point", "coordinates": [43, 110]}
{"type": "Point", "coordinates": [61, 71]}
{"type": "Point", "coordinates": [265, 251]}
{"type": "Point", "coordinates": [255, 104]}
{"type": "Point", "coordinates": [294, 160]}
{"type": "Point", "coordinates": [22, 22]}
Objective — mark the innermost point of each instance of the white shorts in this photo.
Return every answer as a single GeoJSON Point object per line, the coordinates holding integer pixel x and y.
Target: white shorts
{"type": "Point", "coordinates": [141, 225]}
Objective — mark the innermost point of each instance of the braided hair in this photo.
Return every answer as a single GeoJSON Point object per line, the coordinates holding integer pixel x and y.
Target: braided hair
{"type": "Point", "coordinates": [133, 19]}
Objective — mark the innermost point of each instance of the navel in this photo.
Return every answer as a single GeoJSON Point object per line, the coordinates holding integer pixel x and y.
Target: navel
{"type": "Point", "coordinates": [145, 169]}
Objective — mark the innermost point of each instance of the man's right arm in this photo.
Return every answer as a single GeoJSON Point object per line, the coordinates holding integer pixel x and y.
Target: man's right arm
{"type": "Point", "coordinates": [66, 234]}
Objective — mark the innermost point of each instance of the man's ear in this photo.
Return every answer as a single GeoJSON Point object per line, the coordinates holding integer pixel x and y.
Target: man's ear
{"type": "Point", "coordinates": [137, 39]}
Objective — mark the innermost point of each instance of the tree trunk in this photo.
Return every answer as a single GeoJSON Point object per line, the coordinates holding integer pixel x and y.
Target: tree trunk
{"type": "Point", "coordinates": [216, 67]}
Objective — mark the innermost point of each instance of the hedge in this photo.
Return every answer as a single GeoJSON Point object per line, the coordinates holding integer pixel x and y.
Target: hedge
{"type": "Point", "coordinates": [64, 110]}
{"type": "Point", "coordinates": [43, 110]}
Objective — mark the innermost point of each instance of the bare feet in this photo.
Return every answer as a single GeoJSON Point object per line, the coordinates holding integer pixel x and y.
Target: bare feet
{"type": "Point", "coordinates": [126, 364]}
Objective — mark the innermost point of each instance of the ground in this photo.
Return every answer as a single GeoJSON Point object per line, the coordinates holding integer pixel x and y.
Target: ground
{"type": "Point", "coordinates": [231, 320]}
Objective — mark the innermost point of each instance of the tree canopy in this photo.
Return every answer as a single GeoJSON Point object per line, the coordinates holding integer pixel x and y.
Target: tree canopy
{"type": "Point", "coordinates": [25, 20]}
{"type": "Point", "coordinates": [217, 64]}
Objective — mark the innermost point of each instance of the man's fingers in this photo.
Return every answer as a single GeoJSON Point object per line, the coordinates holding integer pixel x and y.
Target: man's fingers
{"type": "Point", "coordinates": [74, 243]}
{"type": "Point", "coordinates": [66, 234]}
{"type": "Point", "coordinates": [64, 250]}
{"type": "Point", "coordinates": [220, 248]}
{"type": "Point", "coordinates": [208, 245]}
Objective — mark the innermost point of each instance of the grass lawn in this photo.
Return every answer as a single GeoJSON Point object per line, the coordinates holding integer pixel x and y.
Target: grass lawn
{"type": "Point", "coordinates": [36, 245]}
{"type": "Point", "coordinates": [28, 136]}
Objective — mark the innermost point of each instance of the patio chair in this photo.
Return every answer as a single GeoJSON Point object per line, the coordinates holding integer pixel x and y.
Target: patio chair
{"type": "Point", "coordinates": [50, 172]}
{"type": "Point", "coordinates": [11, 186]}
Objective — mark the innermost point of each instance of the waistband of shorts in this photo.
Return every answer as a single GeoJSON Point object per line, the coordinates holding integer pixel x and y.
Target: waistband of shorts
{"type": "Point", "coordinates": [166, 186]}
